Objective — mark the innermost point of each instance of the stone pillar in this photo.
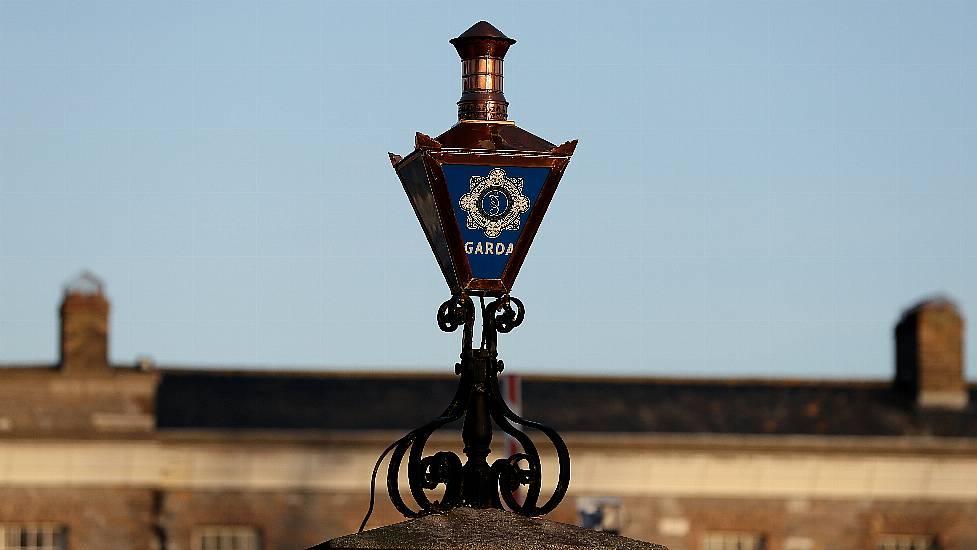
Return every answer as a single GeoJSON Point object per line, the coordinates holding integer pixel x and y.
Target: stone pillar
{"type": "Point", "coordinates": [929, 355]}
{"type": "Point", "coordinates": [483, 529]}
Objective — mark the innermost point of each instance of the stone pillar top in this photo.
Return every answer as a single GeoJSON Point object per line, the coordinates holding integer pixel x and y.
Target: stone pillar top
{"type": "Point", "coordinates": [483, 529]}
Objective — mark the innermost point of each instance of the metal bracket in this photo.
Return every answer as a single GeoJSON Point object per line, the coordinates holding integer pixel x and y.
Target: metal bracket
{"type": "Point", "coordinates": [478, 399]}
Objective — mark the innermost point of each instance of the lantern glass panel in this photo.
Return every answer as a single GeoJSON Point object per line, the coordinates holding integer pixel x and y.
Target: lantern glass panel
{"type": "Point", "coordinates": [418, 188]}
{"type": "Point", "coordinates": [492, 205]}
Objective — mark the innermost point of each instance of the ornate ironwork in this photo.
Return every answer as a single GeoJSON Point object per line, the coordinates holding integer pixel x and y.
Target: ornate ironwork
{"type": "Point", "coordinates": [479, 401]}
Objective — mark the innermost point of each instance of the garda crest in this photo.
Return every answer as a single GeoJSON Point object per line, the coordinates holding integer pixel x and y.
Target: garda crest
{"type": "Point", "coordinates": [494, 203]}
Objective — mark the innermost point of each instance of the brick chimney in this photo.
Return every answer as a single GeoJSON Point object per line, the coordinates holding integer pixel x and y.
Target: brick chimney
{"type": "Point", "coordinates": [84, 327]}
{"type": "Point", "coordinates": [929, 355]}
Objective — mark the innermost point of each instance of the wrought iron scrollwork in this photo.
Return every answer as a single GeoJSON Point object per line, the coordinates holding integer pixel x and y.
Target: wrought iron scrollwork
{"type": "Point", "coordinates": [455, 312]}
{"type": "Point", "coordinates": [479, 401]}
{"type": "Point", "coordinates": [504, 316]}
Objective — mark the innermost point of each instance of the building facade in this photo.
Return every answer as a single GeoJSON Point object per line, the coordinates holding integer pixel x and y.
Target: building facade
{"type": "Point", "coordinates": [109, 457]}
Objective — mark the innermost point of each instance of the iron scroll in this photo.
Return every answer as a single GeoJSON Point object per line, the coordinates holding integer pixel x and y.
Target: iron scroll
{"type": "Point", "coordinates": [479, 401]}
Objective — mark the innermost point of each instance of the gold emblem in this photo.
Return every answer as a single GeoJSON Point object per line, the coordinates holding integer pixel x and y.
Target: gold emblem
{"type": "Point", "coordinates": [494, 203]}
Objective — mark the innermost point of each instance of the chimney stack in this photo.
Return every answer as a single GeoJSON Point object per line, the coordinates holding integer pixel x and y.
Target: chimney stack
{"type": "Point", "coordinates": [929, 355]}
{"type": "Point", "coordinates": [84, 327]}
{"type": "Point", "coordinates": [482, 49]}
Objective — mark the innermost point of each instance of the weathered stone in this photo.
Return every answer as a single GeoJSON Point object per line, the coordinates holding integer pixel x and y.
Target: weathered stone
{"type": "Point", "coordinates": [487, 529]}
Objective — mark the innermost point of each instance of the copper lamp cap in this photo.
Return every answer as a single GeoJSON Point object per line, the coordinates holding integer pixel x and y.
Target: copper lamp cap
{"type": "Point", "coordinates": [482, 49]}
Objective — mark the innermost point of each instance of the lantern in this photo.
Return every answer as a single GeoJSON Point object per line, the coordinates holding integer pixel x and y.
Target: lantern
{"type": "Point", "coordinates": [480, 190]}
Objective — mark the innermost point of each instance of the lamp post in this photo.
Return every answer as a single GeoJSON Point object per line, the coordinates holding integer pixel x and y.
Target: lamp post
{"type": "Point", "coordinates": [480, 191]}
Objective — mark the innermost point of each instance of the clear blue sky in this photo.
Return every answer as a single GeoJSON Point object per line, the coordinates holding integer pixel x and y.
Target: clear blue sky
{"type": "Point", "coordinates": [760, 187]}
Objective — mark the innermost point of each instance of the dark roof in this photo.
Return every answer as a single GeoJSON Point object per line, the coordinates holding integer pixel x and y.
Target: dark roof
{"type": "Point", "coordinates": [255, 400]}
{"type": "Point", "coordinates": [209, 399]}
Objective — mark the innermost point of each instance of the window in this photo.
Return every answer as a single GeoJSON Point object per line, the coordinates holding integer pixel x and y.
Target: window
{"type": "Point", "coordinates": [226, 538]}
{"type": "Point", "coordinates": [601, 513]}
{"type": "Point", "coordinates": [906, 542]}
{"type": "Point", "coordinates": [732, 541]}
{"type": "Point", "coordinates": [33, 536]}
{"type": "Point", "coordinates": [799, 543]}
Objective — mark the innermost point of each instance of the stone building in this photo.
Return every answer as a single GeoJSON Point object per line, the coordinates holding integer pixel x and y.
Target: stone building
{"type": "Point", "coordinates": [95, 456]}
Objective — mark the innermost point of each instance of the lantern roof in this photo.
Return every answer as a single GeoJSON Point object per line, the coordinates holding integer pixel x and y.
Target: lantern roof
{"type": "Point", "coordinates": [482, 29]}
{"type": "Point", "coordinates": [499, 136]}
{"type": "Point", "coordinates": [482, 40]}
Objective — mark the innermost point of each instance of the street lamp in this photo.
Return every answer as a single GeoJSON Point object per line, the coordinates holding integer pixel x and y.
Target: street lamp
{"type": "Point", "coordinates": [480, 191]}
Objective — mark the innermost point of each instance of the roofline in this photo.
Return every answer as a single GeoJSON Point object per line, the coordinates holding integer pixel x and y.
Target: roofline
{"type": "Point", "coordinates": [28, 366]}
{"type": "Point", "coordinates": [744, 380]}
{"type": "Point", "coordinates": [443, 373]}
{"type": "Point", "coordinates": [303, 373]}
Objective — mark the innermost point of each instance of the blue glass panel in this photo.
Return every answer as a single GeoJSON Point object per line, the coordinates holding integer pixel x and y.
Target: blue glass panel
{"type": "Point", "coordinates": [492, 204]}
